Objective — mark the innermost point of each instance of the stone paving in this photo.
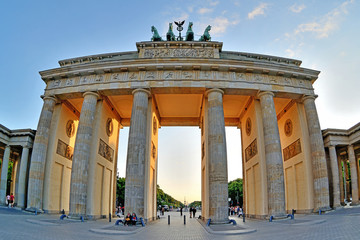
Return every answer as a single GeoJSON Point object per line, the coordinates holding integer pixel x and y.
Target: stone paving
{"type": "Point", "coordinates": [340, 224]}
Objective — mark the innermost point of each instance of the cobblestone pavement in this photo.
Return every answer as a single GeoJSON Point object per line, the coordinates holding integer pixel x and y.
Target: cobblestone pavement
{"type": "Point", "coordinates": [340, 224]}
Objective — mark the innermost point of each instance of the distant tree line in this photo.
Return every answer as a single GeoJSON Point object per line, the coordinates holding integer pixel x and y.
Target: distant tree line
{"type": "Point", "coordinates": [235, 189]}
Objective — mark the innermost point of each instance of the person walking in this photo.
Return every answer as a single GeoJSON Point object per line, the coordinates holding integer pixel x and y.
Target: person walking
{"type": "Point", "coordinates": [194, 212]}
{"type": "Point", "coordinates": [12, 199]}
{"type": "Point", "coordinates": [181, 211]}
{"type": "Point", "coordinates": [8, 200]}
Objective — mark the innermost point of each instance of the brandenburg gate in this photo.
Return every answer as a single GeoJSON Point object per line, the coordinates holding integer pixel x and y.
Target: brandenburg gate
{"type": "Point", "coordinates": [88, 100]}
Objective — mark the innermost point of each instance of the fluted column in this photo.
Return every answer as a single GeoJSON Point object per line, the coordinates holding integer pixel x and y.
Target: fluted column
{"type": "Point", "coordinates": [335, 176]}
{"type": "Point", "coordinates": [135, 162]}
{"type": "Point", "coordinates": [79, 170]}
{"type": "Point", "coordinates": [273, 155]}
{"type": "Point", "coordinates": [320, 175]}
{"type": "Point", "coordinates": [354, 176]}
{"type": "Point", "coordinates": [4, 174]}
{"type": "Point", "coordinates": [38, 157]}
{"type": "Point", "coordinates": [217, 158]}
{"type": "Point", "coordinates": [21, 191]}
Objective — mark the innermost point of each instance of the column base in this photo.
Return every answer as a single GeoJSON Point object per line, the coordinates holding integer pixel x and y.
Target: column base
{"type": "Point", "coordinates": [323, 209]}
{"type": "Point", "coordinates": [32, 209]}
{"type": "Point", "coordinates": [355, 203]}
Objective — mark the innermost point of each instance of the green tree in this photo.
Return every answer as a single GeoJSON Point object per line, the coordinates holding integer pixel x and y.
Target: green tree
{"type": "Point", "coordinates": [195, 204]}
{"type": "Point", "coordinates": [120, 191]}
{"type": "Point", "coordinates": [235, 188]}
{"type": "Point", "coordinates": [165, 199]}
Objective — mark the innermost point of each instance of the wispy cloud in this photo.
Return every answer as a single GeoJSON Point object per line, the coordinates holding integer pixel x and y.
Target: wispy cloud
{"type": "Point", "coordinates": [205, 10]}
{"type": "Point", "coordinates": [326, 24]}
{"type": "Point", "coordinates": [214, 3]}
{"type": "Point", "coordinates": [220, 25]}
{"type": "Point", "coordinates": [297, 8]}
{"type": "Point", "coordinates": [259, 10]}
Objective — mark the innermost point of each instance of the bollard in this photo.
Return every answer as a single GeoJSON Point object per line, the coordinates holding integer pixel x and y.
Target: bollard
{"type": "Point", "coordinates": [243, 217]}
{"type": "Point", "coordinates": [82, 218]}
{"type": "Point", "coordinates": [169, 219]}
{"type": "Point", "coordinates": [109, 217]}
{"type": "Point", "coordinates": [184, 219]}
{"type": "Point", "coordinates": [232, 221]}
{"type": "Point", "coordinates": [142, 222]}
{"type": "Point", "coordinates": [271, 218]}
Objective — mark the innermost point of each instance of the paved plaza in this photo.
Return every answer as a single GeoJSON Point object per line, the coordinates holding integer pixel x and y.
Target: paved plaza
{"type": "Point", "coordinates": [340, 224]}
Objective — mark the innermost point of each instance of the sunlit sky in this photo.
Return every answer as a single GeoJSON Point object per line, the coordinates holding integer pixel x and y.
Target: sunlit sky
{"type": "Point", "coordinates": [324, 35]}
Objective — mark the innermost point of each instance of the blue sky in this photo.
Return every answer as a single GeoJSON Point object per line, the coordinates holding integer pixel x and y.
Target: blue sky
{"type": "Point", "coordinates": [325, 35]}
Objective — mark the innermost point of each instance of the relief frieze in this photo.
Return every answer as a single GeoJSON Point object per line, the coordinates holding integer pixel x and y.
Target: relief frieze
{"type": "Point", "coordinates": [178, 53]}
{"type": "Point", "coordinates": [106, 151]}
{"type": "Point", "coordinates": [251, 150]}
{"type": "Point", "coordinates": [64, 150]}
{"type": "Point", "coordinates": [292, 150]}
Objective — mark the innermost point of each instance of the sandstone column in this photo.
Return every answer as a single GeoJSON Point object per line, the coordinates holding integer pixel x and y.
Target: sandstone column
{"type": "Point", "coordinates": [335, 176]}
{"type": "Point", "coordinates": [135, 162]}
{"type": "Point", "coordinates": [38, 156]}
{"type": "Point", "coordinates": [4, 174]}
{"type": "Point", "coordinates": [321, 181]}
{"type": "Point", "coordinates": [273, 155]}
{"type": "Point", "coordinates": [341, 183]}
{"type": "Point", "coordinates": [22, 177]}
{"type": "Point", "coordinates": [354, 176]}
{"type": "Point", "coordinates": [217, 158]}
{"type": "Point", "coordinates": [79, 170]}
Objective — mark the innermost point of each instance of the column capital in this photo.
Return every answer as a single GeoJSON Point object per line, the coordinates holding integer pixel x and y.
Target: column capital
{"type": "Point", "coordinates": [262, 93]}
{"type": "Point", "coordinates": [49, 97]}
{"type": "Point", "coordinates": [214, 90]}
{"type": "Point", "coordinates": [332, 146]}
{"type": "Point", "coordinates": [141, 90]}
{"type": "Point", "coordinates": [91, 93]}
{"type": "Point", "coordinates": [307, 97]}
{"type": "Point", "coordinates": [350, 146]}
{"type": "Point", "coordinates": [7, 146]}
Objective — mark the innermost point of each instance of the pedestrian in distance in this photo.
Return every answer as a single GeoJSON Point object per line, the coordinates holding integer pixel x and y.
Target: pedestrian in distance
{"type": "Point", "coordinates": [181, 211]}
{"type": "Point", "coordinates": [12, 200]}
{"type": "Point", "coordinates": [194, 211]}
{"type": "Point", "coordinates": [191, 210]}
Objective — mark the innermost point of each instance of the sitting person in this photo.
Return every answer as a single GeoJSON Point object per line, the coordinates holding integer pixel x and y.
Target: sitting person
{"type": "Point", "coordinates": [127, 219]}
{"type": "Point", "coordinates": [133, 219]}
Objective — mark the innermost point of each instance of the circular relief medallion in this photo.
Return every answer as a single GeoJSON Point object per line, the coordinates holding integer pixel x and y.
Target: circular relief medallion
{"type": "Point", "coordinates": [109, 127]}
{"type": "Point", "coordinates": [288, 127]}
{"type": "Point", "coordinates": [248, 126]}
{"type": "Point", "coordinates": [155, 126]}
{"type": "Point", "coordinates": [70, 128]}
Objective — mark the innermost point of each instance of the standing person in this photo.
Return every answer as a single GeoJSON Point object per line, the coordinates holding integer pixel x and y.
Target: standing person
{"type": "Point", "coordinates": [12, 199]}
{"type": "Point", "coordinates": [180, 211]}
{"type": "Point", "coordinates": [194, 211]}
{"type": "Point", "coordinates": [191, 209]}
{"type": "Point", "coordinates": [8, 200]}
{"type": "Point", "coordinates": [162, 211]}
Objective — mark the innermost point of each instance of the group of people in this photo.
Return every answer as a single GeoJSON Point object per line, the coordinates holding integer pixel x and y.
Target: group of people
{"type": "Point", "coordinates": [10, 200]}
{"type": "Point", "coordinates": [235, 211]}
{"type": "Point", "coordinates": [130, 219]}
{"type": "Point", "coordinates": [192, 212]}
